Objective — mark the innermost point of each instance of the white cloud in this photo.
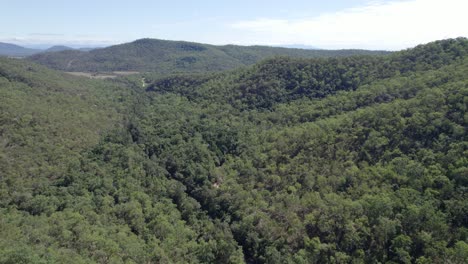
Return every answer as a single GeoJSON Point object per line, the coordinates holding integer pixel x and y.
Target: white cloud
{"type": "Point", "coordinates": [377, 25]}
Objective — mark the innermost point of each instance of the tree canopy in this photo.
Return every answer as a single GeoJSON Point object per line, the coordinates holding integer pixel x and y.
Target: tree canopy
{"type": "Point", "coordinates": [361, 159]}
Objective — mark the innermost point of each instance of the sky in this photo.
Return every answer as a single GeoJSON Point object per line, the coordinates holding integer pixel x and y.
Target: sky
{"type": "Point", "coordinates": [331, 24]}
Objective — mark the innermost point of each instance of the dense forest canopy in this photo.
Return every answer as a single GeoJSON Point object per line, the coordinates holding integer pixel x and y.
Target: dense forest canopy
{"type": "Point", "coordinates": [360, 159]}
{"type": "Point", "coordinates": [165, 57]}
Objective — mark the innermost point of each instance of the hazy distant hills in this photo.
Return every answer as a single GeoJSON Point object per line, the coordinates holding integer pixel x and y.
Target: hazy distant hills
{"type": "Point", "coordinates": [12, 50]}
{"type": "Point", "coordinates": [58, 48]}
{"type": "Point", "coordinates": [162, 56]}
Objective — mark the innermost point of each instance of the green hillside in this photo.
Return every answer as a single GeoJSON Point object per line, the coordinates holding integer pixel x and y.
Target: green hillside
{"type": "Point", "coordinates": [163, 57]}
{"type": "Point", "coordinates": [357, 159]}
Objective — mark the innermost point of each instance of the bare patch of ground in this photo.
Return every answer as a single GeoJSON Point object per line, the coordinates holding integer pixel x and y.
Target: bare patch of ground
{"type": "Point", "coordinates": [104, 75]}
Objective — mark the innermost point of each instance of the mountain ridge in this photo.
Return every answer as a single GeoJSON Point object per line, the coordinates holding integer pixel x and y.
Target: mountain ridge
{"type": "Point", "coordinates": [57, 48]}
{"type": "Point", "coordinates": [8, 49]}
{"type": "Point", "coordinates": [359, 159]}
{"type": "Point", "coordinates": [164, 56]}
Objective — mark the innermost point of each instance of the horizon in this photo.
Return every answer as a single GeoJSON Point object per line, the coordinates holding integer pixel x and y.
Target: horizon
{"type": "Point", "coordinates": [357, 24]}
{"type": "Point", "coordinates": [45, 46]}
{"type": "Point", "coordinates": [234, 132]}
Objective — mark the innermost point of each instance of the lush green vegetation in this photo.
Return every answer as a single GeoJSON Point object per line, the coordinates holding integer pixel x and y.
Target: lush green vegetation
{"type": "Point", "coordinates": [341, 160]}
{"type": "Point", "coordinates": [163, 57]}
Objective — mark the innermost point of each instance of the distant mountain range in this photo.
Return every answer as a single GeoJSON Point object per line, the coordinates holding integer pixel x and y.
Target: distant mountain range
{"type": "Point", "coordinates": [163, 56]}
{"type": "Point", "coordinates": [13, 50]}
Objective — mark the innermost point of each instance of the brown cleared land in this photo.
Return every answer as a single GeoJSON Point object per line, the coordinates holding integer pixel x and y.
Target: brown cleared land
{"type": "Point", "coordinates": [106, 75]}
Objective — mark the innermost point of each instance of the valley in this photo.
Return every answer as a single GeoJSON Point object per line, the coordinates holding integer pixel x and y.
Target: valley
{"type": "Point", "coordinates": [128, 156]}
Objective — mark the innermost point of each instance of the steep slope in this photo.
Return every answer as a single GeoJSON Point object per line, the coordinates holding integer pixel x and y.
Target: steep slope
{"type": "Point", "coordinates": [11, 50]}
{"type": "Point", "coordinates": [161, 56]}
{"type": "Point", "coordinates": [282, 80]}
{"type": "Point", "coordinates": [57, 143]}
{"type": "Point", "coordinates": [318, 177]}
{"type": "Point", "coordinates": [341, 160]}
{"type": "Point", "coordinates": [44, 112]}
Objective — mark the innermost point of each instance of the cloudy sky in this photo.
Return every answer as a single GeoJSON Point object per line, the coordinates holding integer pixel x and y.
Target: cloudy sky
{"type": "Point", "coordinates": [390, 25]}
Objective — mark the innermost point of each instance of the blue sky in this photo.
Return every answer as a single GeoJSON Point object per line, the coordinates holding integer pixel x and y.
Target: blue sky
{"type": "Point", "coordinates": [393, 24]}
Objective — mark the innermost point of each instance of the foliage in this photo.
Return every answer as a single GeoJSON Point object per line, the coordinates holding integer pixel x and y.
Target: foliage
{"type": "Point", "coordinates": [165, 57]}
{"type": "Point", "coordinates": [366, 164]}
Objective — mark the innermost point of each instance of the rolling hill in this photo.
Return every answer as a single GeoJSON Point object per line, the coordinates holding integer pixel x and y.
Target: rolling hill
{"type": "Point", "coordinates": [162, 56]}
{"type": "Point", "coordinates": [357, 159]}
{"type": "Point", "coordinates": [57, 48]}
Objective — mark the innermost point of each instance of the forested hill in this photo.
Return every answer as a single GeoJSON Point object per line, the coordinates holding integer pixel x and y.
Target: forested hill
{"type": "Point", "coordinates": [338, 160]}
{"type": "Point", "coordinates": [284, 79]}
{"type": "Point", "coordinates": [162, 56]}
